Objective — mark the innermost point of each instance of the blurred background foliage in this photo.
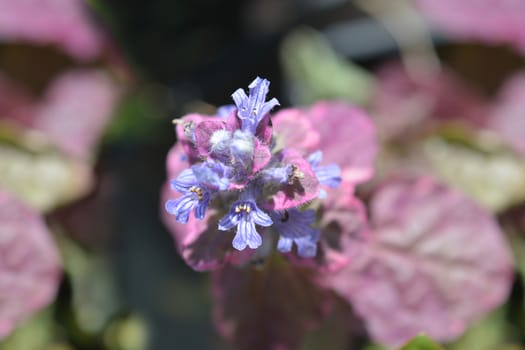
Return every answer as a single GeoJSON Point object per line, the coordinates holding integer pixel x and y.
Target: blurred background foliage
{"type": "Point", "coordinates": [124, 285]}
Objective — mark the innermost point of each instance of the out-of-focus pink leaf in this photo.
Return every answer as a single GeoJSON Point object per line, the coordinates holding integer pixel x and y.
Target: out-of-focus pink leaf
{"type": "Point", "coordinates": [295, 130]}
{"type": "Point", "coordinates": [267, 309]}
{"type": "Point", "coordinates": [491, 21]}
{"type": "Point", "coordinates": [347, 138]}
{"type": "Point", "coordinates": [404, 104]}
{"type": "Point", "coordinates": [65, 23]}
{"type": "Point", "coordinates": [435, 263]}
{"type": "Point", "coordinates": [344, 227]}
{"type": "Point", "coordinates": [29, 263]}
{"type": "Point", "coordinates": [343, 132]}
{"type": "Point", "coordinates": [72, 114]}
{"type": "Point", "coordinates": [508, 115]}
{"type": "Point", "coordinates": [76, 109]}
{"type": "Point", "coordinates": [199, 242]}
{"type": "Point", "coordinates": [15, 104]}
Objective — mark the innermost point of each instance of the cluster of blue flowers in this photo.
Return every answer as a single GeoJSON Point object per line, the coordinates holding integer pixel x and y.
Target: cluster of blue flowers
{"type": "Point", "coordinates": [238, 168]}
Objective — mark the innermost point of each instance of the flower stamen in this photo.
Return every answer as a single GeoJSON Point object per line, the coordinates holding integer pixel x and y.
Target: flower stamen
{"type": "Point", "coordinates": [243, 208]}
{"type": "Point", "coordinates": [295, 174]}
{"type": "Point", "coordinates": [197, 191]}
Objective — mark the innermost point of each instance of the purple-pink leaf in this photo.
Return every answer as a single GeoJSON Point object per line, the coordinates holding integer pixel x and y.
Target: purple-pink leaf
{"type": "Point", "coordinates": [269, 308]}
{"type": "Point", "coordinates": [295, 130]}
{"type": "Point", "coordinates": [264, 130]}
{"type": "Point", "coordinates": [344, 227]}
{"type": "Point", "coordinates": [15, 104]}
{"type": "Point", "coordinates": [347, 138]}
{"type": "Point", "coordinates": [72, 114]}
{"type": "Point", "coordinates": [261, 156]}
{"type": "Point", "coordinates": [405, 104]}
{"type": "Point", "coordinates": [76, 109]}
{"type": "Point", "coordinates": [508, 114]}
{"type": "Point", "coordinates": [435, 263]}
{"type": "Point", "coordinates": [29, 263]}
{"type": "Point", "coordinates": [491, 21]}
{"type": "Point", "coordinates": [65, 23]}
{"type": "Point", "coordinates": [302, 187]}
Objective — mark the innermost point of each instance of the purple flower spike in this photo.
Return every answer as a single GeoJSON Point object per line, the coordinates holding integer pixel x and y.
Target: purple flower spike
{"type": "Point", "coordinates": [280, 175]}
{"type": "Point", "coordinates": [194, 196]}
{"type": "Point", "coordinates": [212, 174]}
{"type": "Point", "coordinates": [245, 215]}
{"type": "Point", "coordinates": [253, 108]}
{"type": "Point", "coordinates": [329, 175]}
{"type": "Point", "coordinates": [294, 226]}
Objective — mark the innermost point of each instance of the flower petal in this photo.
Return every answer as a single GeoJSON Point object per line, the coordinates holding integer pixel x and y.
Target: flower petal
{"type": "Point", "coordinates": [261, 218]}
{"type": "Point", "coordinates": [181, 207]}
{"type": "Point", "coordinates": [246, 235]}
{"type": "Point", "coordinates": [252, 109]}
{"type": "Point", "coordinates": [284, 245]}
{"type": "Point", "coordinates": [184, 181]}
{"type": "Point", "coordinates": [329, 175]}
{"type": "Point", "coordinates": [229, 221]}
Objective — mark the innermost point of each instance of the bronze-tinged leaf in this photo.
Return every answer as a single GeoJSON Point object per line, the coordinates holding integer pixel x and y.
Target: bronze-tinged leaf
{"type": "Point", "coordinates": [268, 308]}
